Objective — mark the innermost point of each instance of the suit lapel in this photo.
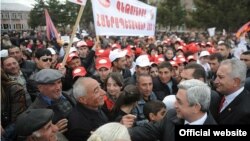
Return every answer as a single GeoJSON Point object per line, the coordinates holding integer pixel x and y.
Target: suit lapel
{"type": "Point", "coordinates": [232, 106]}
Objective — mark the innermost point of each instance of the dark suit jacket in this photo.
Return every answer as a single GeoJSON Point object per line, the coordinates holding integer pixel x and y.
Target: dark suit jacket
{"type": "Point", "coordinates": [61, 109]}
{"type": "Point", "coordinates": [82, 121]}
{"type": "Point", "coordinates": [215, 100]}
{"type": "Point", "coordinates": [238, 111]}
{"type": "Point", "coordinates": [163, 130]}
{"type": "Point", "coordinates": [161, 90]}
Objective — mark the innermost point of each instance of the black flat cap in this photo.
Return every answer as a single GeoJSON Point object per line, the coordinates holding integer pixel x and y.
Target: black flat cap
{"type": "Point", "coordinates": [47, 76]}
{"type": "Point", "coordinates": [32, 120]}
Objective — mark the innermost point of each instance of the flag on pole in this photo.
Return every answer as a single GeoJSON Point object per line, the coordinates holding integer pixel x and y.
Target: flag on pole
{"type": "Point", "coordinates": [80, 2]}
{"type": "Point", "coordinates": [245, 28]}
{"type": "Point", "coordinates": [50, 28]}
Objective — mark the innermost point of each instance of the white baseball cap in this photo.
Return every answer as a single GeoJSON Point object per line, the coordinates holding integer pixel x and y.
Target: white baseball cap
{"type": "Point", "coordinates": [204, 53]}
{"type": "Point", "coordinates": [4, 53]}
{"type": "Point", "coordinates": [169, 101]}
{"type": "Point", "coordinates": [117, 53]}
{"type": "Point", "coordinates": [53, 52]}
{"type": "Point", "coordinates": [72, 49]}
{"type": "Point", "coordinates": [142, 61]}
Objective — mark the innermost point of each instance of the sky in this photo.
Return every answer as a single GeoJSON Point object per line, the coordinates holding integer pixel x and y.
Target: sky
{"type": "Point", "coordinates": [24, 2]}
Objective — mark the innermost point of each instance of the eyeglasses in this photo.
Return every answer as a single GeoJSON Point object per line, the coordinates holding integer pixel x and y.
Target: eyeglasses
{"type": "Point", "coordinates": [47, 59]}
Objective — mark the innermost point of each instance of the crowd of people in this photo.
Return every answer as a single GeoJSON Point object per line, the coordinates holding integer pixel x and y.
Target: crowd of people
{"type": "Point", "coordinates": [127, 88]}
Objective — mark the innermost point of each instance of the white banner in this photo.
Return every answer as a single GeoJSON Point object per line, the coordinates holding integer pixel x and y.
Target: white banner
{"type": "Point", "coordinates": [123, 18]}
{"type": "Point", "coordinates": [65, 39]}
{"type": "Point", "coordinates": [80, 2]}
{"type": "Point", "coordinates": [211, 31]}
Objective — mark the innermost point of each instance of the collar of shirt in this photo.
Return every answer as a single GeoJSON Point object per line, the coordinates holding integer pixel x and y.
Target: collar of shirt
{"type": "Point", "coordinates": [229, 98]}
{"type": "Point", "coordinates": [199, 121]}
{"type": "Point", "coordinates": [152, 96]}
{"type": "Point", "coordinates": [15, 77]}
{"type": "Point", "coordinates": [48, 100]}
{"type": "Point", "coordinates": [170, 85]}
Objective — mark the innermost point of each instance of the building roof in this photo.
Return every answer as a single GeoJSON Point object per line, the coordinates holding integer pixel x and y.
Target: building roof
{"type": "Point", "coordinates": [14, 7]}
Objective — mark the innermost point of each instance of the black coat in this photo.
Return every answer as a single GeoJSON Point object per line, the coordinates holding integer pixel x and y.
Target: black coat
{"type": "Point", "coordinates": [28, 67]}
{"type": "Point", "coordinates": [215, 100]}
{"type": "Point", "coordinates": [162, 90]}
{"type": "Point", "coordinates": [163, 130]}
{"type": "Point", "coordinates": [237, 112]}
{"type": "Point", "coordinates": [82, 121]}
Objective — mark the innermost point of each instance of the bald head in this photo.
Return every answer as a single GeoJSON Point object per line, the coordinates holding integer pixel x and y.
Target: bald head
{"type": "Point", "coordinates": [83, 85]}
{"type": "Point", "coordinates": [87, 81]}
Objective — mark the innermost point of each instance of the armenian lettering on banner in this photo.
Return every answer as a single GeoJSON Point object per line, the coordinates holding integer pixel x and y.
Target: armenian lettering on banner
{"type": "Point", "coordinates": [123, 18]}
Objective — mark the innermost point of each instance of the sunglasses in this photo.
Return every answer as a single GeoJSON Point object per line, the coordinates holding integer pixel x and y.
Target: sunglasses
{"type": "Point", "coordinates": [47, 59]}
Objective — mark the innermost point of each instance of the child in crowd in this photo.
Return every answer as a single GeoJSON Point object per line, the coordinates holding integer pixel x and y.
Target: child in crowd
{"type": "Point", "coordinates": [154, 110]}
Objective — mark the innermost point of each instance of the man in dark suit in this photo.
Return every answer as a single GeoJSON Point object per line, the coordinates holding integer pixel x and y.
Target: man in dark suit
{"type": "Point", "coordinates": [196, 71]}
{"type": "Point", "coordinates": [230, 82]}
{"type": "Point", "coordinates": [87, 115]}
{"type": "Point", "coordinates": [191, 107]}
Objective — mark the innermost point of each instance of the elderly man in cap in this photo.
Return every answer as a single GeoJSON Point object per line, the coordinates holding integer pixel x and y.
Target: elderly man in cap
{"type": "Point", "coordinates": [51, 97]}
{"type": "Point", "coordinates": [43, 58]}
{"type": "Point", "coordinates": [40, 127]}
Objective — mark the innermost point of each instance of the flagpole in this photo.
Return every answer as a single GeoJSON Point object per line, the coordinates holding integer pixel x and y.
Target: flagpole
{"type": "Point", "coordinates": [97, 44]}
{"type": "Point", "coordinates": [73, 34]}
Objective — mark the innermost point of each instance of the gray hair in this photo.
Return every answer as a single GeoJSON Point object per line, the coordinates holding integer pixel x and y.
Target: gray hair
{"type": "Point", "coordinates": [110, 132]}
{"type": "Point", "coordinates": [197, 93]}
{"type": "Point", "coordinates": [238, 69]}
{"type": "Point", "coordinates": [78, 88]}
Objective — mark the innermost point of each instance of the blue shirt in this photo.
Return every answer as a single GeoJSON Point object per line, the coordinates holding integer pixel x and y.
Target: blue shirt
{"type": "Point", "coordinates": [49, 101]}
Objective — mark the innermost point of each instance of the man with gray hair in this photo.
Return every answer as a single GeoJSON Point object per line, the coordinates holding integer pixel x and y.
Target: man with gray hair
{"type": "Point", "coordinates": [235, 103]}
{"type": "Point", "coordinates": [191, 107]}
{"type": "Point", "coordinates": [87, 115]}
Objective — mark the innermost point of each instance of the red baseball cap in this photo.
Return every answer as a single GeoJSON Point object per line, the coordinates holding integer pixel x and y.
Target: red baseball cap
{"type": "Point", "coordinates": [102, 52]}
{"type": "Point", "coordinates": [129, 52]}
{"type": "Point", "coordinates": [59, 65]}
{"type": "Point", "coordinates": [81, 44]}
{"type": "Point", "coordinates": [79, 71]}
{"type": "Point", "coordinates": [181, 48]}
{"type": "Point", "coordinates": [180, 59]}
{"type": "Point", "coordinates": [115, 46]}
{"type": "Point", "coordinates": [157, 59]}
{"type": "Point", "coordinates": [102, 62]}
{"type": "Point", "coordinates": [138, 51]}
{"type": "Point", "coordinates": [173, 63]}
{"type": "Point", "coordinates": [211, 50]}
{"type": "Point", "coordinates": [90, 43]}
{"type": "Point", "coordinates": [191, 57]}
{"type": "Point", "coordinates": [71, 56]}
{"type": "Point", "coordinates": [192, 48]}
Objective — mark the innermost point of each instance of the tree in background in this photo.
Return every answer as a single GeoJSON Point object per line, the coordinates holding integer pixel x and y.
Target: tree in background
{"type": "Point", "coordinates": [87, 16]}
{"type": "Point", "coordinates": [222, 14]}
{"type": "Point", "coordinates": [62, 14]}
{"type": "Point", "coordinates": [170, 13]}
{"type": "Point", "coordinates": [36, 17]}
